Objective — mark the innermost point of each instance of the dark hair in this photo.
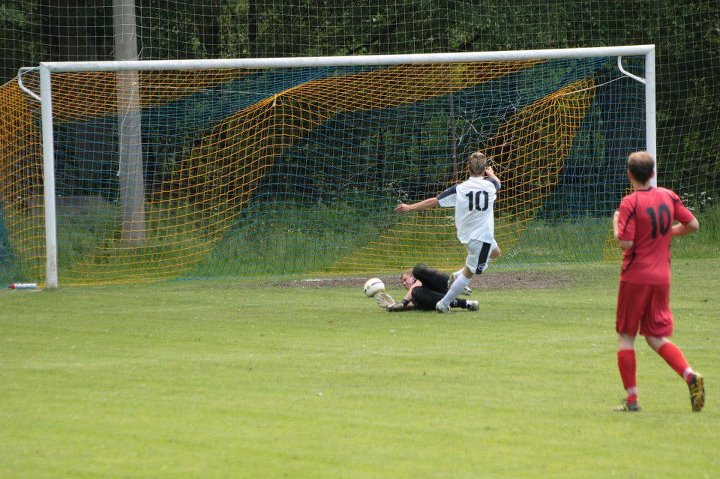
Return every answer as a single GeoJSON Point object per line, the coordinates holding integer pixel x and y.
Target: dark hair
{"type": "Point", "coordinates": [641, 166]}
{"type": "Point", "coordinates": [477, 163]}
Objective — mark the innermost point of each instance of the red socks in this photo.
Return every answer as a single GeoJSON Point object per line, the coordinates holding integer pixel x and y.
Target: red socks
{"type": "Point", "coordinates": [674, 357]}
{"type": "Point", "coordinates": [628, 367]}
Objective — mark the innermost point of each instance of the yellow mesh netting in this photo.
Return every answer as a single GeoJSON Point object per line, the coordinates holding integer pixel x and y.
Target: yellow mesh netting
{"type": "Point", "coordinates": [203, 194]}
{"type": "Point", "coordinates": [528, 152]}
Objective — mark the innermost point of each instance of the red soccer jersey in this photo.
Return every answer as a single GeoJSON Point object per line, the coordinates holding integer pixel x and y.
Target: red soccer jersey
{"type": "Point", "coordinates": [646, 219]}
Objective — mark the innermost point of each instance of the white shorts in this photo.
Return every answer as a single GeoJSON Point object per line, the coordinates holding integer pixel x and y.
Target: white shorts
{"type": "Point", "coordinates": [478, 255]}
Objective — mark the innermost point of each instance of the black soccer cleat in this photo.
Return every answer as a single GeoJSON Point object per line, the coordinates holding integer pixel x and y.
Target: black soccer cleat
{"type": "Point", "coordinates": [696, 385]}
{"type": "Point", "coordinates": [626, 406]}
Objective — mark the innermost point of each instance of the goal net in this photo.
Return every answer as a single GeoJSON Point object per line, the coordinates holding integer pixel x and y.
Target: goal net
{"type": "Point", "coordinates": [213, 169]}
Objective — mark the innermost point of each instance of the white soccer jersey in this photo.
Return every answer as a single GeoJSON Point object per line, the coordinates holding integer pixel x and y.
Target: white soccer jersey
{"type": "Point", "coordinates": [473, 200]}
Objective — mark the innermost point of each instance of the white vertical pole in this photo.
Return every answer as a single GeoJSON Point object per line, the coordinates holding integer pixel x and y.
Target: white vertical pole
{"type": "Point", "coordinates": [650, 109]}
{"type": "Point", "coordinates": [51, 270]}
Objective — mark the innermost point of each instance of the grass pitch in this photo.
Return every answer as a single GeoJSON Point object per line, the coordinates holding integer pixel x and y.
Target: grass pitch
{"type": "Point", "coordinates": [203, 380]}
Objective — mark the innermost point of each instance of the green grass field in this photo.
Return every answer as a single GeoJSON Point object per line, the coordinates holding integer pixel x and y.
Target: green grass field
{"type": "Point", "coordinates": [209, 380]}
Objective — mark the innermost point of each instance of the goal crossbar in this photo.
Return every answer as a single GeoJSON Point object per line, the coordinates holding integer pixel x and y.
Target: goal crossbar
{"type": "Point", "coordinates": [357, 60]}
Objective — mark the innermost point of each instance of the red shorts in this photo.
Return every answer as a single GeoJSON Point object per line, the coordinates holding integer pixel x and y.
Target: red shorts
{"type": "Point", "coordinates": [644, 306]}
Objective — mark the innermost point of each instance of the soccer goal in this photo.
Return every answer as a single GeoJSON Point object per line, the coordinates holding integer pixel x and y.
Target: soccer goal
{"type": "Point", "coordinates": [151, 170]}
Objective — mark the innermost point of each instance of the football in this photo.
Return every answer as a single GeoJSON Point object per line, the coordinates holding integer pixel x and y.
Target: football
{"type": "Point", "coordinates": [373, 286]}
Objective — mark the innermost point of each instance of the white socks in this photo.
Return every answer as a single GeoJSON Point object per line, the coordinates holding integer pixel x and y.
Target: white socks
{"type": "Point", "coordinates": [457, 287]}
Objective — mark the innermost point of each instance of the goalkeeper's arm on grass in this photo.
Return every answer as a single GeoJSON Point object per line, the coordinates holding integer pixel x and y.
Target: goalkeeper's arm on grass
{"type": "Point", "coordinates": [386, 302]}
{"type": "Point", "coordinates": [404, 305]}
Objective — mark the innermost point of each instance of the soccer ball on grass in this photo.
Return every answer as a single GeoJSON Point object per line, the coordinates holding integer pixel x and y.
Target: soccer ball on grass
{"type": "Point", "coordinates": [373, 286]}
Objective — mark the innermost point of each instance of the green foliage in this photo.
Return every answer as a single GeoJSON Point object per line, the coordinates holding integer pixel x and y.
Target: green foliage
{"type": "Point", "coordinates": [10, 270]}
{"type": "Point", "coordinates": [687, 107]}
{"type": "Point", "coordinates": [249, 380]}
{"type": "Point", "coordinates": [13, 14]}
{"type": "Point", "coordinates": [271, 239]}
{"type": "Point", "coordinates": [283, 239]}
{"type": "Point", "coordinates": [90, 247]}
{"type": "Point", "coordinates": [706, 242]}
{"type": "Point", "coordinates": [177, 33]}
{"type": "Point", "coordinates": [710, 225]}
{"type": "Point", "coordinates": [578, 240]}
{"type": "Point", "coordinates": [20, 43]}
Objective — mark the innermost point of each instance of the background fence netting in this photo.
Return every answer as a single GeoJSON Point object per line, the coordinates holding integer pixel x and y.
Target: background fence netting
{"type": "Point", "coordinates": [249, 172]}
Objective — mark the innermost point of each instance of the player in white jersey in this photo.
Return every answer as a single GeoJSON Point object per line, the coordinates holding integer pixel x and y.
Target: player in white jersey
{"type": "Point", "coordinates": [473, 200]}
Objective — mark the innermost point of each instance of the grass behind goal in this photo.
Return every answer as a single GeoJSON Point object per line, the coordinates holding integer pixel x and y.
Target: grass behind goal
{"type": "Point", "coordinates": [204, 379]}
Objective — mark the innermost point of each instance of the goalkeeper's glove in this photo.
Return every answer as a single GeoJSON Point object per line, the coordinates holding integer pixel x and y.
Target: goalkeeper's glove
{"type": "Point", "coordinates": [397, 306]}
{"type": "Point", "coordinates": [384, 300]}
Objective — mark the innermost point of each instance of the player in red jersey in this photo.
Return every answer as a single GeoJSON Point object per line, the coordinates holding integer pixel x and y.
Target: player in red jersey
{"type": "Point", "coordinates": [643, 227]}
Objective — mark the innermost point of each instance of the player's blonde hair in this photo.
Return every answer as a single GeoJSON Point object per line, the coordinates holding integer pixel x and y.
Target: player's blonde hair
{"type": "Point", "coordinates": [477, 163]}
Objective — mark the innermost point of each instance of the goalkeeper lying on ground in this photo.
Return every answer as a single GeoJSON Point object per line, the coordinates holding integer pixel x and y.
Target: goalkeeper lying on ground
{"type": "Point", "coordinates": [425, 287]}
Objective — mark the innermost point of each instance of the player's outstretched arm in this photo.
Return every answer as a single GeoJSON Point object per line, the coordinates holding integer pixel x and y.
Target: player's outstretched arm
{"type": "Point", "coordinates": [420, 205]}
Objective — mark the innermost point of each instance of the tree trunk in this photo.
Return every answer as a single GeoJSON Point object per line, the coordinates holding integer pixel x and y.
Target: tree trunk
{"type": "Point", "coordinates": [131, 179]}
